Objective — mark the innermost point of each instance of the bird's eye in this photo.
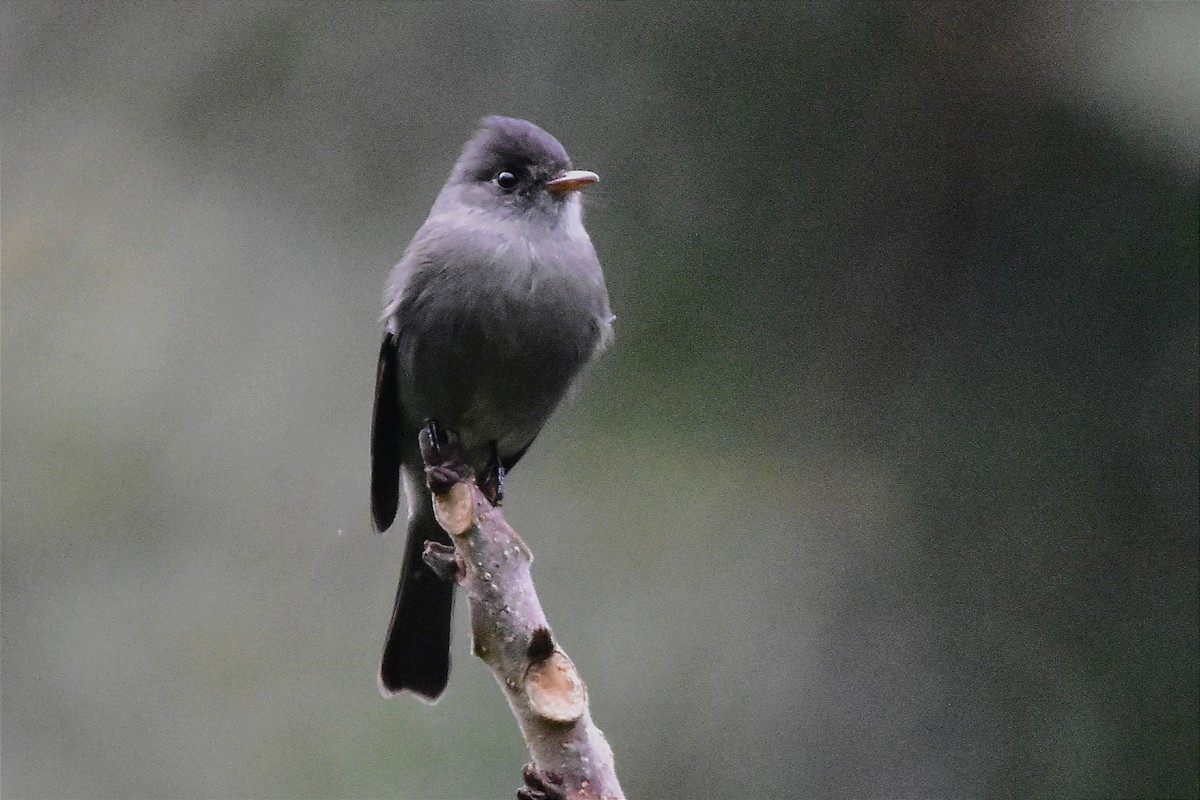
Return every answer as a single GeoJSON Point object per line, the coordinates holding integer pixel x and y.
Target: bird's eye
{"type": "Point", "coordinates": [506, 180]}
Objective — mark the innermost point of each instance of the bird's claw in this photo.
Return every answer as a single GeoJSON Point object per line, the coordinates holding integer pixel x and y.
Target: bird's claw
{"type": "Point", "coordinates": [444, 463]}
{"type": "Point", "coordinates": [492, 484]}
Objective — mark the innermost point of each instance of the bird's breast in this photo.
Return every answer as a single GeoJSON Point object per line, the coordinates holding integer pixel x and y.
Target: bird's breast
{"type": "Point", "coordinates": [489, 348]}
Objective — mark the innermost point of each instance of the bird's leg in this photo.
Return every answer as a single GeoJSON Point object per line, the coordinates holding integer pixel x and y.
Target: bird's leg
{"type": "Point", "coordinates": [444, 463]}
{"type": "Point", "coordinates": [439, 437]}
{"type": "Point", "coordinates": [493, 478]}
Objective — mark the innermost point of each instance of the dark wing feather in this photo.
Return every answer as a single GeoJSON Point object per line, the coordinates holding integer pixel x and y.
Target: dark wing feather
{"type": "Point", "coordinates": [385, 437]}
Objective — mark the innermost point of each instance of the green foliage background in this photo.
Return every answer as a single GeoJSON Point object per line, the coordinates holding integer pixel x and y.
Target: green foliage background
{"type": "Point", "coordinates": [887, 488]}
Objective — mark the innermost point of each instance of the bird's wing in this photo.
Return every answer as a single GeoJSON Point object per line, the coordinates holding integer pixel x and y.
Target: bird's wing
{"type": "Point", "coordinates": [385, 436]}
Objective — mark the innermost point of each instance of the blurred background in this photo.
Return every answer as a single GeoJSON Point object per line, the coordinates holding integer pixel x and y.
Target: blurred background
{"type": "Point", "coordinates": [888, 487]}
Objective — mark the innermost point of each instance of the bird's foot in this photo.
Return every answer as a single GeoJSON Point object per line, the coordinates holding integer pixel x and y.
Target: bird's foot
{"type": "Point", "coordinates": [492, 483]}
{"type": "Point", "coordinates": [444, 462]}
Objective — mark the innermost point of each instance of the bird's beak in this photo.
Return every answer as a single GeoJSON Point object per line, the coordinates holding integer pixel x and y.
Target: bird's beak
{"type": "Point", "coordinates": [571, 181]}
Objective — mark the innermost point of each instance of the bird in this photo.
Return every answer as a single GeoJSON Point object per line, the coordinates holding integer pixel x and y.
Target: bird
{"type": "Point", "coordinates": [492, 314]}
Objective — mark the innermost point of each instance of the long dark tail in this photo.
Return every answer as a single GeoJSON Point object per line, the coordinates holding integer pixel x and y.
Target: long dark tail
{"type": "Point", "coordinates": [416, 657]}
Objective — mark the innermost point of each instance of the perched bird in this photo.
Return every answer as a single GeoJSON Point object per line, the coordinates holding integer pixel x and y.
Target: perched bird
{"type": "Point", "coordinates": [497, 305]}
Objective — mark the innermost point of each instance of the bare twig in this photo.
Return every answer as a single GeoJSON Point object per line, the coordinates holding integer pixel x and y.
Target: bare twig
{"type": "Point", "coordinates": [571, 758]}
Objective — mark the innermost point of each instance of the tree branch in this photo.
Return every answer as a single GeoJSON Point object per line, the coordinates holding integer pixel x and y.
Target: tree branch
{"type": "Point", "coordinates": [571, 758]}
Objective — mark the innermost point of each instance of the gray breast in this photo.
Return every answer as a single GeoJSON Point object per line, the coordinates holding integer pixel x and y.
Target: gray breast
{"type": "Point", "coordinates": [489, 349]}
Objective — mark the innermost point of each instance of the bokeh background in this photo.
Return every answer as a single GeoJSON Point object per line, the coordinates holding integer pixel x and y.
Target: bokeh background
{"type": "Point", "coordinates": [887, 489]}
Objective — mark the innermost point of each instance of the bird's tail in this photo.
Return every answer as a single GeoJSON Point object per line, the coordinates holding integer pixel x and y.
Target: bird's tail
{"type": "Point", "coordinates": [416, 657]}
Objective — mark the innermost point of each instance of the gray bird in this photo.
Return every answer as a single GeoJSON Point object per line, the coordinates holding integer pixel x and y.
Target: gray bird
{"type": "Point", "coordinates": [497, 305]}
